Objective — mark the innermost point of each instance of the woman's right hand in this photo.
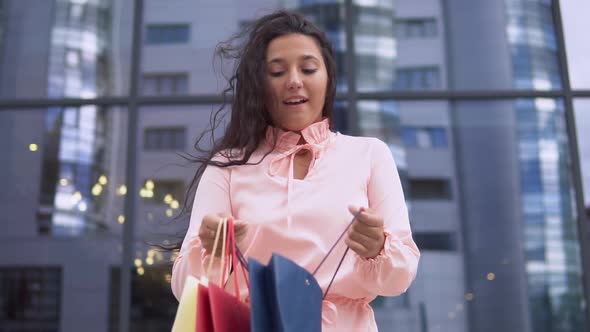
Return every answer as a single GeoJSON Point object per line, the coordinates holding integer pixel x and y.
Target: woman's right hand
{"type": "Point", "coordinates": [208, 230]}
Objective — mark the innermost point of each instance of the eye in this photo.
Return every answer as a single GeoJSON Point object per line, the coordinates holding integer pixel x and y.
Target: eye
{"type": "Point", "coordinates": [276, 73]}
{"type": "Point", "coordinates": [309, 71]}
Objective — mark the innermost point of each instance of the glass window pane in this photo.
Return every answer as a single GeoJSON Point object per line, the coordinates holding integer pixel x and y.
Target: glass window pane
{"type": "Point", "coordinates": [181, 84]}
{"type": "Point", "coordinates": [438, 137]}
{"type": "Point", "coordinates": [409, 137]}
{"type": "Point", "coordinates": [29, 300]}
{"type": "Point", "coordinates": [164, 138]}
{"type": "Point", "coordinates": [492, 210]}
{"type": "Point", "coordinates": [65, 48]}
{"type": "Point", "coordinates": [167, 34]}
{"type": "Point", "coordinates": [510, 43]}
{"type": "Point", "coordinates": [210, 25]}
{"type": "Point", "coordinates": [163, 177]}
{"type": "Point", "coordinates": [62, 220]}
{"type": "Point", "coordinates": [149, 85]}
{"type": "Point", "coordinates": [576, 26]}
{"type": "Point", "coordinates": [166, 85]}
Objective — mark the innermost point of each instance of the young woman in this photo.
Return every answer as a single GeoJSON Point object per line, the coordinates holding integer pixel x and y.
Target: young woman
{"type": "Point", "coordinates": [292, 185]}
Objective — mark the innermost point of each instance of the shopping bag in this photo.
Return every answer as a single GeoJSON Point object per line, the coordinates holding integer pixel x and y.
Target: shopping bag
{"type": "Point", "coordinates": [186, 314]}
{"type": "Point", "coordinates": [229, 314]}
{"type": "Point", "coordinates": [285, 297]}
{"type": "Point", "coordinates": [204, 321]}
{"type": "Point", "coordinates": [195, 297]}
{"type": "Point", "coordinates": [220, 311]}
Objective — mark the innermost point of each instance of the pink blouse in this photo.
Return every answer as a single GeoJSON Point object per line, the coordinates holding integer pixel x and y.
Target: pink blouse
{"type": "Point", "coordinates": [302, 219]}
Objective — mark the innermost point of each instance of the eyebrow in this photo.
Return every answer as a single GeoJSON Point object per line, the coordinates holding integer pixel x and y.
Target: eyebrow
{"type": "Point", "coordinates": [303, 57]}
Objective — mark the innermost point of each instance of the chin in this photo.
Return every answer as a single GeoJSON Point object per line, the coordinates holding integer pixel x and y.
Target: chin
{"type": "Point", "coordinates": [297, 120]}
{"type": "Point", "coordinates": [296, 124]}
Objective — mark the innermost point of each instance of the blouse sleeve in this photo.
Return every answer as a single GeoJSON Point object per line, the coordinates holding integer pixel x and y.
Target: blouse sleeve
{"type": "Point", "coordinates": [392, 271]}
{"type": "Point", "coordinates": [212, 196]}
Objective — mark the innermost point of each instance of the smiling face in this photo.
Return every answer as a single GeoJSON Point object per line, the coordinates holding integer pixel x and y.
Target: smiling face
{"type": "Point", "coordinates": [297, 79]}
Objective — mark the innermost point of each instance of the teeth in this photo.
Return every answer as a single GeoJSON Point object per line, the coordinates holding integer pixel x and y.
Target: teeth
{"type": "Point", "coordinates": [295, 101]}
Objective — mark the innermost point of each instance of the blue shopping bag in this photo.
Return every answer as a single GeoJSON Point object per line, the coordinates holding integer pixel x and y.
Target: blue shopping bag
{"type": "Point", "coordinates": [285, 297]}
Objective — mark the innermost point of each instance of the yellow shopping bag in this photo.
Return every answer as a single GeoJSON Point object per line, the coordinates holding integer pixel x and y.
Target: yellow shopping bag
{"type": "Point", "coordinates": [186, 314]}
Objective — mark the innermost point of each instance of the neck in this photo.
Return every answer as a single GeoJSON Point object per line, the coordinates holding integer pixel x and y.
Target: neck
{"type": "Point", "coordinates": [301, 140]}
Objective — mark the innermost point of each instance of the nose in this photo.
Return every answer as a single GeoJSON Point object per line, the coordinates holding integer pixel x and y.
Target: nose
{"type": "Point", "coordinates": [294, 81]}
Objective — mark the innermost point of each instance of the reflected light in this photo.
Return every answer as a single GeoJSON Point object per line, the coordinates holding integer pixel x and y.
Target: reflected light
{"type": "Point", "coordinates": [169, 212]}
{"type": "Point", "coordinates": [168, 277]}
{"type": "Point", "coordinates": [77, 196]}
{"type": "Point", "coordinates": [149, 185]}
{"type": "Point", "coordinates": [63, 182]}
{"type": "Point", "coordinates": [140, 271]}
{"type": "Point", "coordinates": [469, 296]}
{"type": "Point", "coordinates": [103, 180]}
{"type": "Point", "coordinates": [82, 206]}
{"type": "Point", "coordinates": [121, 219]}
{"type": "Point", "coordinates": [149, 261]}
{"type": "Point", "coordinates": [122, 190]}
{"type": "Point", "coordinates": [491, 276]}
{"type": "Point", "coordinates": [168, 199]}
{"type": "Point", "coordinates": [96, 189]}
{"type": "Point", "coordinates": [146, 193]}
{"type": "Point", "coordinates": [137, 262]}
{"type": "Point", "coordinates": [174, 204]}
{"type": "Point", "coordinates": [33, 147]}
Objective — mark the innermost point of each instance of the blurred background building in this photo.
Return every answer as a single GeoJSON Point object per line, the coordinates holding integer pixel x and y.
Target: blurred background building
{"type": "Point", "coordinates": [471, 97]}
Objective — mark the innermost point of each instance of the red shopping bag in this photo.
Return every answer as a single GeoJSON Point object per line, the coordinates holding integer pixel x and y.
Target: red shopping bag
{"type": "Point", "coordinates": [218, 310]}
{"type": "Point", "coordinates": [204, 320]}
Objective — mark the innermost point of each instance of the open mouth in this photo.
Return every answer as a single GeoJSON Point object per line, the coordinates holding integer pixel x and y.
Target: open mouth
{"type": "Point", "coordinates": [295, 102]}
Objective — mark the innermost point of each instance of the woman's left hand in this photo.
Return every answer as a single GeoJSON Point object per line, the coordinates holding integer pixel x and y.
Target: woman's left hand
{"type": "Point", "coordinates": [366, 236]}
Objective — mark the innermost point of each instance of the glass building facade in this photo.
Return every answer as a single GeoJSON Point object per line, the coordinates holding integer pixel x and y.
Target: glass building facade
{"type": "Point", "coordinates": [98, 97]}
{"type": "Point", "coordinates": [76, 146]}
{"type": "Point", "coordinates": [553, 264]}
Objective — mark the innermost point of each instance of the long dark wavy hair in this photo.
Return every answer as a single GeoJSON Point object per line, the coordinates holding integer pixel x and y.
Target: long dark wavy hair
{"type": "Point", "coordinates": [248, 83]}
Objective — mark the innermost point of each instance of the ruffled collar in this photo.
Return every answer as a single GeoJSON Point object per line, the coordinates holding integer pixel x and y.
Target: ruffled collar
{"type": "Point", "coordinates": [317, 133]}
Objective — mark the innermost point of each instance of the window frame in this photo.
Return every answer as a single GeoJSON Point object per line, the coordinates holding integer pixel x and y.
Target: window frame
{"type": "Point", "coordinates": [134, 101]}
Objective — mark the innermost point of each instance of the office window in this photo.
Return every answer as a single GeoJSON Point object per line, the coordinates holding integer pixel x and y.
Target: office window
{"type": "Point", "coordinates": [164, 84]}
{"type": "Point", "coordinates": [30, 298]}
{"type": "Point", "coordinates": [167, 33]}
{"type": "Point", "coordinates": [440, 241]}
{"type": "Point", "coordinates": [429, 137]}
{"type": "Point", "coordinates": [161, 139]}
{"type": "Point", "coordinates": [416, 28]}
{"type": "Point", "coordinates": [418, 78]}
{"type": "Point", "coordinates": [430, 189]}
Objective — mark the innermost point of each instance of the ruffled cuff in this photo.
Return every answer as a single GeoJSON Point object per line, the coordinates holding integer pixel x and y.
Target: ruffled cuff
{"type": "Point", "coordinates": [363, 264]}
{"type": "Point", "coordinates": [392, 271]}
